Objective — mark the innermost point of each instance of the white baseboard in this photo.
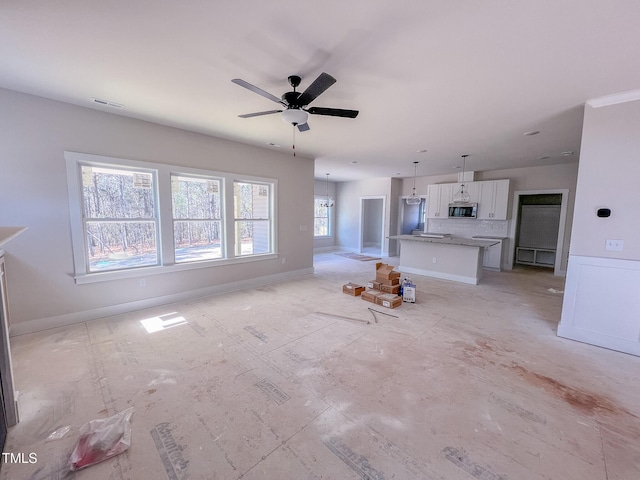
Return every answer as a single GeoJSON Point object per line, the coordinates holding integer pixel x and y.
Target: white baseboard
{"type": "Point", "coordinates": [37, 325]}
{"type": "Point", "coordinates": [332, 248]}
{"type": "Point", "coordinates": [441, 275]}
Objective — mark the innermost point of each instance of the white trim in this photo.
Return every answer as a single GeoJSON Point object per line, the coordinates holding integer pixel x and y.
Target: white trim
{"type": "Point", "coordinates": [157, 269]}
{"type": "Point", "coordinates": [329, 217]}
{"type": "Point", "coordinates": [165, 246]}
{"type": "Point", "coordinates": [600, 303]}
{"type": "Point", "coordinates": [558, 269]}
{"type": "Point", "coordinates": [441, 275]}
{"type": "Point", "coordinates": [614, 99]}
{"type": "Point", "coordinates": [32, 326]}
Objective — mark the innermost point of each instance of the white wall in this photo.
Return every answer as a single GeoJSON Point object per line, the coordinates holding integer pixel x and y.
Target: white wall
{"type": "Point", "coordinates": [35, 132]}
{"type": "Point", "coordinates": [320, 189]}
{"type": "Point", "coordinates": [602, 294]}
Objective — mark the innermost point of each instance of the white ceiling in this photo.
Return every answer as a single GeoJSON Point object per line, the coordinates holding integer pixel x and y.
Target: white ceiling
{"type": "Point", "coordinates": [451, 76]}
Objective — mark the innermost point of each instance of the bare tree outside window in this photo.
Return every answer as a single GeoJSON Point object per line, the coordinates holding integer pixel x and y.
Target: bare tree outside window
{"type": "Point", "coordinates": [120, 220]}
{"type": "Point", "coordinates": [197, 219]}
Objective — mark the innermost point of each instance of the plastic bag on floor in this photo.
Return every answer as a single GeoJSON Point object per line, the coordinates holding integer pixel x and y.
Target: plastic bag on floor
{"type": "Point", "coordinates": [102, 439]}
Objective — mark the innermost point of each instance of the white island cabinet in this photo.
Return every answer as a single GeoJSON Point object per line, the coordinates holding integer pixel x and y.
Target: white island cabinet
{"type": "Point", "coordinates": [450, 258]}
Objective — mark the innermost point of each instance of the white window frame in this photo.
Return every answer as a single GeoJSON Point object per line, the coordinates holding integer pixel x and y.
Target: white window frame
{"type": "Point", "coordinates": [221, 219]}
{"type": "Point", "coordinates": [329, 217]}
{"type": "Point", "coordinates": [271, 218]}
{"type": "Point", "coordinates": [165, 245]}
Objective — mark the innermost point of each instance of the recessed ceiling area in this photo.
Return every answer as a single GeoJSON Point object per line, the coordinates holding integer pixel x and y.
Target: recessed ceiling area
{"type": "Point", "coordinates": [449, 77]}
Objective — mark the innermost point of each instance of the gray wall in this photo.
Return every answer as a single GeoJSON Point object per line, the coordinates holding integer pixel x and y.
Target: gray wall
{"type": "Point", "coordinates": [608, 177]}
{"type": "Point", "coordinates": [35, 132]}
{"type": "Point", "coordinates": [601, 304]}
{"type": "Point", "coordinates": [349, 196]}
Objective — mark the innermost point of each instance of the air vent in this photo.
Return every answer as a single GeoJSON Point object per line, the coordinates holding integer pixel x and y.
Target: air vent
{"type": "Point", "coordinates": [107, 103]}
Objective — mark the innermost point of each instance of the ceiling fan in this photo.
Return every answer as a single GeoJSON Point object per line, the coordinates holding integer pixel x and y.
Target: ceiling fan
{"type": "Point", "coordinates": [296, 104]}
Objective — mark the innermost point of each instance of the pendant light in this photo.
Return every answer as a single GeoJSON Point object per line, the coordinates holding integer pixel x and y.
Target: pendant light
{"type": "Point", "coordinates": [414, 199]}
{"type": "Point", "coordinates": [328, 202]}
{"type": "Point", "coordinates": [462, 196]}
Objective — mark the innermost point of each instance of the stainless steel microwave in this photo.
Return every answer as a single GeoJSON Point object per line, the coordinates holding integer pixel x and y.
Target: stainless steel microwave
{"type": "Point", "coordinates": [463, 210]}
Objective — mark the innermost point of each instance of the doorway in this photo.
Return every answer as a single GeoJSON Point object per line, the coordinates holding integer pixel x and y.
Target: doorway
{"type": "Point", "coordinates": [372, 225]}
{"type": "Point", "coordinates": [411, 218]}
{"type": "Point", "coordinates": [538, 229]}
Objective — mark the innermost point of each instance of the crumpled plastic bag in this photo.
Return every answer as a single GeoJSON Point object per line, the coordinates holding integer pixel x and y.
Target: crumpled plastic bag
{"type": "Point", "coordinates": [102, 439]}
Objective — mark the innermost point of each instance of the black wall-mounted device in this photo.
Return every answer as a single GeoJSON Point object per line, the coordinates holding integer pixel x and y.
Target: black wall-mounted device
{"type": "Point", "coordinates": [603, 212]}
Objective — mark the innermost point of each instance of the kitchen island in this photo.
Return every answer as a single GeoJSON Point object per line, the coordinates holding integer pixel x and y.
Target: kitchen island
{"type": "Point", "coordinates": [450, 258]}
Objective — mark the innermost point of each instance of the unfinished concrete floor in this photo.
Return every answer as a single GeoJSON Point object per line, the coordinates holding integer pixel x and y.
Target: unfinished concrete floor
{"type": "Point", "coordinates": [470, 383]}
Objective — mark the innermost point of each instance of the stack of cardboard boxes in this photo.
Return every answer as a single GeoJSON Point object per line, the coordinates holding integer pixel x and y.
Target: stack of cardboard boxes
{"type": "Point", "coordinates": [384, 289]}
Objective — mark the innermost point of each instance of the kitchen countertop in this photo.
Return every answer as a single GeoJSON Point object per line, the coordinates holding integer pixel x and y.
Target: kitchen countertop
{"type": "Point", "coordinates": [461, 241]}
{"type": "Point", "coordinates": [490, 237]}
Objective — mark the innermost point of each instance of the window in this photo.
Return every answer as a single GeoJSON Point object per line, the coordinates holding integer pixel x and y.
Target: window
{"type": "Point", "coordinates": [133, 219]}
{"type": "Point", "coordinates": [197, 218]}
{"type": "Point", "coordinates": [322, 218]}
{"type": "Point", "coordinates": [120, 221]}
{"type": "Point", "coordinates": [252, 207]}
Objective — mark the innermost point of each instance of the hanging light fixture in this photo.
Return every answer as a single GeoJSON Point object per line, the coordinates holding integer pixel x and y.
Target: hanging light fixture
{"type": "Point", "coordinates": [462, 196]}
{"type": "Point", "coordinates": [414, 199]}
{"type": "Point", "coordinates": [328, 202]}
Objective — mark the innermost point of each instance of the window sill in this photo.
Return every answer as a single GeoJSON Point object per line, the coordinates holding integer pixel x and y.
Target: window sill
{"type": "Point", "coordinates": [95, 277]}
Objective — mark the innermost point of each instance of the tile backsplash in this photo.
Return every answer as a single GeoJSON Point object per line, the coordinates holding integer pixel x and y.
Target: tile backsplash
{"type": "Point", "coordinates": [462, 227]}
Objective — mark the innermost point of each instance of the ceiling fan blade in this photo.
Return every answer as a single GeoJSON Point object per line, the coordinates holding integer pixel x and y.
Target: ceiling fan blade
{"type": "Point", "coordinates": [303, 127]}
{"type": "Point", "coordinates": [259, 91]}
{"type": "Point", "coordinates": [318, 86]}
{"type": "Point", "coordinates": [334, 112]}
{"type": "Point", "coordinates": [257, 114]}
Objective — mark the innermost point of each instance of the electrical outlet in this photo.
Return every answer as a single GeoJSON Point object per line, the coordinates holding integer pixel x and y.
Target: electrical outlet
{"type": "Point", "coordinates": [284, 260]}
{"type": "Point", "coordinates": [614, 245]}
{"type": "Point", "coordinates": [435, 260]}
{"type": "Point", "coordinates": [303, 228]}
{"type": "Point", "coordinates": [143, 282]}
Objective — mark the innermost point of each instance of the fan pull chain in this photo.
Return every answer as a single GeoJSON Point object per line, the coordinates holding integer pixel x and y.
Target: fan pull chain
{"type": "Point", "coordinates": [294, 140]}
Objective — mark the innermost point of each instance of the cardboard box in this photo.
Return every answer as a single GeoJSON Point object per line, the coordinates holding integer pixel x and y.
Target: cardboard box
{"type": "Point", "coordinates": [386, 275]}
{"type": "Point", "coordinates": [352, 289]}
{"type": "Point", "coordinates": [390, 288]}
{"type": "Point", "coordinates": [409, 293]}
{"type": "Point", "coordinates": [390, 281]}
{"type": "Point", "coordinates": [374, 284]}
{"type": "Point", "coordinates": [370, 295]}
{"type": "Point", "coordinates": [388, 300]}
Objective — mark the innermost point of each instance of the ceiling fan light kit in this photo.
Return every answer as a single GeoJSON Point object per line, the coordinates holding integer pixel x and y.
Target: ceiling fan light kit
{"type": "Point", "coordinates": [294, 116]}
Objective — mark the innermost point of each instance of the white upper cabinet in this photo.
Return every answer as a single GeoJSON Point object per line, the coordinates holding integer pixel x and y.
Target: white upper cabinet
{"type": "Point", "coordinates": [493, 200]}
{"type": "Point", "coordinates": [438, 199]}
{"type": "Point", "coordinates": [491, 196]}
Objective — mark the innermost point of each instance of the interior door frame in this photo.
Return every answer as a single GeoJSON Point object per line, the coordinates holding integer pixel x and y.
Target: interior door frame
{"type": "Point", "coordinates": [361, 216]}
{"type": "Point", "coordinates": [557, 267]}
